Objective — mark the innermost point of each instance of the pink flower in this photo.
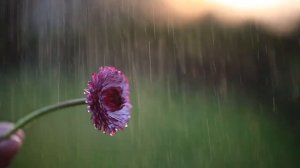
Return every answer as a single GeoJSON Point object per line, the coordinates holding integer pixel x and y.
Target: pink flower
{"type": "Point", "coordinates": [107, 96]}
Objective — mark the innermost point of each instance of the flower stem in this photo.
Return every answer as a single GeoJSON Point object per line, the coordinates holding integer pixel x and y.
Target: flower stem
{"type": "Point", "coordinates": [40, 112]}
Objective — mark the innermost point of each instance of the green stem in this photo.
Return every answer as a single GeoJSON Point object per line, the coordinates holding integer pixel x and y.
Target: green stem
{"type": "Point", "coordinates": [40, 112]}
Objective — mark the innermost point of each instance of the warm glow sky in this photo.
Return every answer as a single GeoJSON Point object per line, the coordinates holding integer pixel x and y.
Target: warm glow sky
{"type": "Point", "coordinates": [278, 15]}
{"type": "Point", "coordinates": [248, 4]}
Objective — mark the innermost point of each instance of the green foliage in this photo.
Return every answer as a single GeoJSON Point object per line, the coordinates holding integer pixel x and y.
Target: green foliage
{"type": "Point", "coordinates": [171, 126]}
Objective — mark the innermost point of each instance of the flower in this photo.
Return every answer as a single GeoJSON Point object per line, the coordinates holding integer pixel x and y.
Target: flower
{"type": "Point", "coordinates": [107, 96]}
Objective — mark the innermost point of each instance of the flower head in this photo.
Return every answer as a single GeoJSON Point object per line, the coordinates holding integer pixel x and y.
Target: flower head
{"type": "Point", "coordinates": [107, 96]}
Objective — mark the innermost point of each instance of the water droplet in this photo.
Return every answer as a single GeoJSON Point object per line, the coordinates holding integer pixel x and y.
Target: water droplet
{"type": "Point", "coordinates": [126, 126]}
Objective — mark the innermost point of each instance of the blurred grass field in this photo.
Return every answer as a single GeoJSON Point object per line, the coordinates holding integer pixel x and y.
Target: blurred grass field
{"type": "Point", "coordinates": [171, 126]}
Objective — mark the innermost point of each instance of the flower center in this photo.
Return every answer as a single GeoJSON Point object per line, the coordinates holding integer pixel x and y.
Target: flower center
{"type": "Point", "coordinates": [112, 99]}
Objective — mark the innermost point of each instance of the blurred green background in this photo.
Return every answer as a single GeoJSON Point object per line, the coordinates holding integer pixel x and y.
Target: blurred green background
{"type": "Point", "coordinates": [170, 127]}
{"type": "Point", "coordinates": [203, 95]}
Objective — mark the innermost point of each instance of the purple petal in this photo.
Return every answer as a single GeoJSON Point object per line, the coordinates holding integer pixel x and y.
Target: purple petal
{"type": "Point", "coordinates": [107, 96]}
